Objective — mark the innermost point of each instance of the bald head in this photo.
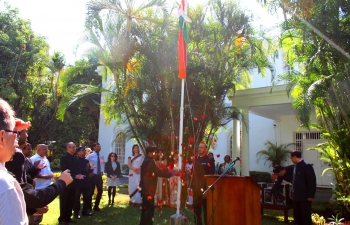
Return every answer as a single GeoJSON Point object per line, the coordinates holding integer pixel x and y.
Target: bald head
{"type": "Point", "coordinates": [71, 148]}
{"type": "Point", "coordinates": [42, 150]}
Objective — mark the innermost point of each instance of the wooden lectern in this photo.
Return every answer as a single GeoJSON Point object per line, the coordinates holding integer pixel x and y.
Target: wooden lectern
{"type": "Point", "coordinates": [236, 201]}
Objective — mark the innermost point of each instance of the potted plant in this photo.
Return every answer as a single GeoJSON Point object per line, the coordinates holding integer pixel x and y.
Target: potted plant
{"type": "Point", "coordinates": [274, 154]}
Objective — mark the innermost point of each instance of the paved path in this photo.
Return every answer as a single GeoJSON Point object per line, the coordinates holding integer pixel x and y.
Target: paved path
{"type": "Point", "coordinates": [323, 194]}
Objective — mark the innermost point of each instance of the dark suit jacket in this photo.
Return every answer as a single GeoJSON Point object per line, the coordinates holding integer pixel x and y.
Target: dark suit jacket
{"type": "Point", "coordinates": [201, 166]}
{"type": "Point", "coordinates": [16, 166]}
{"type": "Point", "coordinates": [84, 166]}
{"type": "Point", "coordinates": [304, 185]}
{"type": "Point", "coordinates": [30, 170]}
{"type": "Point", "coordinates": [288, 176]}
{"type": "Point", "coordinates": [71, 163]}
{"type": "Point", "coordinates": [109, 170]}
{"type": "Point", "coordinates": [39, 198]}
{"type": "Point", "coordinates": [149, 177]}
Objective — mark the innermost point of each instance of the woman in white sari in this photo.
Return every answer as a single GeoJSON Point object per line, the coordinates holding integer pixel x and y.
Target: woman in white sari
{"type": "Point", "coordinates": [134, 165]}
{"type": "Point", "coordinates": [161, 196]}
{"type": "Point", "coordinates": [174, 166]}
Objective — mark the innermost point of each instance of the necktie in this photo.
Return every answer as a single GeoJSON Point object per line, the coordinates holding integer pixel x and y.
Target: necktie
{"type": "Point", "coordinates": [294, 172]}
{"type": "Point", "coordinates": [98, 164]}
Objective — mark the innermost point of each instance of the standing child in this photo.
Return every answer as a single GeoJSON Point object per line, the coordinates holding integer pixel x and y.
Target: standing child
{"type": "Point", "coordinates": [112, 168]}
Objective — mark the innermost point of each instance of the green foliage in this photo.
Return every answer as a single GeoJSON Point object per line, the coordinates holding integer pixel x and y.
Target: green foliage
{"type": "Point", "coordinates": [141, 57]}
{"type": "Point", "coordinates": [335, 220]}
{"type": "Point", "coordinates": [274, 154]}
{"type": "Point", "coordinates": [259, 176]}
{"type": "Point", "coordinates": [315, 38]}
{"type": "Point", "coordinates": [55, 164]}
{"type": "Point", "coordinates": [34, 83]}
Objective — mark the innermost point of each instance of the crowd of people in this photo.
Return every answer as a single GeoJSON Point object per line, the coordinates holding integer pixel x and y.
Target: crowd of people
{"type": "Point", "coordinates": [26, 185]}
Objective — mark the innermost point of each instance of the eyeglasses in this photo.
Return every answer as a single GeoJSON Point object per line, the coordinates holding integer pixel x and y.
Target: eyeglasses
{"type": "Point", "coordinates": [14, 132]}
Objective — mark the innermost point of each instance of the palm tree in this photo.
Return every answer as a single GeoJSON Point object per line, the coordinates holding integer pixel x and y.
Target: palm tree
{"type": "Point", "coordinates": [273, 153]}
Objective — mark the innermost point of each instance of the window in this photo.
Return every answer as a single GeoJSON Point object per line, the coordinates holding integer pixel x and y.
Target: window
{"type": "Point", "coordinates": [300, 137]}
{"type": "Point", "coordinates": [120, 141]}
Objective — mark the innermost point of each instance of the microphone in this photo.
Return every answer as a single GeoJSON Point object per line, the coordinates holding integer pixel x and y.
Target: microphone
{"type": "Point", "coordinates": [237, 159]}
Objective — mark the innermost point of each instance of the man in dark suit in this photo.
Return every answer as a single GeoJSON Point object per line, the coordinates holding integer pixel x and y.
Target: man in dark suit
{"type": "Point", "coordinates": [284, 174]}
{"type": "Point", "coordinates": [69, 161]}
{"type": "Point", "coordinates": [201, 166]}
{"type": "Point", "coordinates": [304, 188]}
{"type": "Point", "coordinates": [82, 187]}
{"type": "Point", "coordinates": [148, 184]}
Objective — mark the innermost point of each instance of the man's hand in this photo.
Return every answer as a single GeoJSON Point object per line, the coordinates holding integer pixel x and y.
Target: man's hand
{"type": "Point", "coordinates": [42, 210]}
{"type": "Point", "coordinates": [42, 166]}
{"type": "Point", "coordinates": [79, 177]}
{"type": "Point", "coordinates": [66, 177]}
{"type": "Point", "coordinates": [36, 163]}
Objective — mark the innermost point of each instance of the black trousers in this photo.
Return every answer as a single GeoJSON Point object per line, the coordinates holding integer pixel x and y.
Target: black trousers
{"type": "Point", "coordinates": [67, 198]}
{"type": "Point", "coordinates": [302, 213]}
{"type": "Point", "coordinates": [96, 180]}
{"type": "Point", "coordinates": [86, 200]}
{"type": "Point", "coordinates": [199, 203]}
{"type": "Point", "coordinates": [147, 212]}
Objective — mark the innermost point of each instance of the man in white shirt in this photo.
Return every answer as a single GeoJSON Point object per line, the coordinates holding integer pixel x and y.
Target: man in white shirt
{"type": "Point", "coordinates": [12, 205]}
{"type": "Point", "coordinates": [43, 179]}
{"type": "Point", "coordinates": [96, 161]}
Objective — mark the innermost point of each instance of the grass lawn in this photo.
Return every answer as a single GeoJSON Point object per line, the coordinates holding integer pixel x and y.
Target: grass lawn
{"type": "Point", "coordinates": [124, 214]}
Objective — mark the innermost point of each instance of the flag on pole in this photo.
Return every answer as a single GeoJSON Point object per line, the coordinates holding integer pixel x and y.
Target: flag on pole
{"type": "Point", "coordinates": [183, 38]}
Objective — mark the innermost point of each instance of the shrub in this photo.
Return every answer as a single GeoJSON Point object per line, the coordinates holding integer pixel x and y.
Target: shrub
{"type": "Point", "coordinates": [317, 220]}
{"type": "Point", "coordinates": [55, 164]}
{"type": "Point", "coordinates": [259, 176]}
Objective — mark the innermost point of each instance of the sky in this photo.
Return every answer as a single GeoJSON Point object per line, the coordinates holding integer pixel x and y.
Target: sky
{"type": "Point", "coordinates": [62, 22]}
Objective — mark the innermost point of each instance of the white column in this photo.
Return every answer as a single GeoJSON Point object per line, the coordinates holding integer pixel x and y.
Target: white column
{"type": "Point", "coordinates": [236, 143]}
{"type": "Point", "coordinates": [245, 144]}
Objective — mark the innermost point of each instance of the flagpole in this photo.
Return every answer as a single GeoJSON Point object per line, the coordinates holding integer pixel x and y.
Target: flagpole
{"type": "Point", "coordinates": [179, 183]}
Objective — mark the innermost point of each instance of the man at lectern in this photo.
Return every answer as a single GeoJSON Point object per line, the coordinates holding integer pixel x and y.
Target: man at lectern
{"type": "Point", "coordinates": [202, 165]}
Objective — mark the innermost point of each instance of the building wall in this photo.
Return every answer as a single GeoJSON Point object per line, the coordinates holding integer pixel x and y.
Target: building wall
{"type": "Point", "coordinates": [260, 130]}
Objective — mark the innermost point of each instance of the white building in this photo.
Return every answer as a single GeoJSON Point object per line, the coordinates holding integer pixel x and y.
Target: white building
{"type": "Point", "coordinates": [271, 117]}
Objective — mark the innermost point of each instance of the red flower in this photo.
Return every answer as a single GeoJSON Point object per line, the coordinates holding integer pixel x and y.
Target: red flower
{"type": "Point", "coordinates": [208, 164]}
{"type": "Point", "coordinates": [136, 123]}
{"type": "Point", "coordinates": [191, 140]}
{"type": "Point", "coordinates": [130, 175]}
{"type": "Point", "coordinates": [172, 105]}
{"type": "Point", "coordinates": [202, 116]}
{"type": "Point", "coordinates": [218, 155]}
{"type": "Point", "coordinates": [195, 118]}
{"type": "Point", "coordinates": [214, 140]}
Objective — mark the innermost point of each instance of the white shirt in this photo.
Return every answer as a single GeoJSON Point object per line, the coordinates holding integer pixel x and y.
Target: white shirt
{"type": "Point", "coordinates": [93, 161]}
{"type": "Point", "coordinates": [12, 205]}
{"type": "Point", "coordinates": [39, 182]}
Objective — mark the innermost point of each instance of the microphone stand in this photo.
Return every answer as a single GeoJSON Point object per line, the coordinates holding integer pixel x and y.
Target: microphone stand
{"type": "Point", "coordinates": [211, 187]}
